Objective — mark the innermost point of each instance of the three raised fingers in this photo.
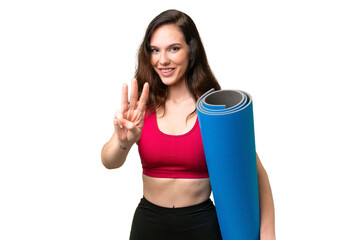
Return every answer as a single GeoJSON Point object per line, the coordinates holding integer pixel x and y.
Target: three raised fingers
{"type": "Point", "coordinates": [134, 103]}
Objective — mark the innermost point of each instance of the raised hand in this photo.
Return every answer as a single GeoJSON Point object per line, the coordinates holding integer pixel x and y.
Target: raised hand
{"type": "Point", "coordinates": [128, 121]}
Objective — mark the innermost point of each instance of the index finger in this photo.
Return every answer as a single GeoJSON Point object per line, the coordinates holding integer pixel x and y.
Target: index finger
{"type": "Point", "coordinates": [143, 98]}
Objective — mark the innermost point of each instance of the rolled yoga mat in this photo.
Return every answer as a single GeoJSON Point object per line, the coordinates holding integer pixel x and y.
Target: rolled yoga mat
{"type": "Point", "coordinates": [227, 130]}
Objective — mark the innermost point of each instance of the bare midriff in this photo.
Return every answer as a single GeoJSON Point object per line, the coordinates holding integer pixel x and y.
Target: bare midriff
{"type": "Point", "coordinates": [176, 192]}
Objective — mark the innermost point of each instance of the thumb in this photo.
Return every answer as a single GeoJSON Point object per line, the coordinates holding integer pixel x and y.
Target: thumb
{"type": "Point", "coordinates": [127, 124]}
{"type": "Point", "coordinates": [134, 131]}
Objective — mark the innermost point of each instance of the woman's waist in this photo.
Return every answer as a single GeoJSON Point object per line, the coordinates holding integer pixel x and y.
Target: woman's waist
{"type": "Point", "coordinates": [176, 192]}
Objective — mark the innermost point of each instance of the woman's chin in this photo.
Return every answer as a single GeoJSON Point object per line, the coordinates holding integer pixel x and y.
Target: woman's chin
{"type": "Point", "coordinates": [168, 81]}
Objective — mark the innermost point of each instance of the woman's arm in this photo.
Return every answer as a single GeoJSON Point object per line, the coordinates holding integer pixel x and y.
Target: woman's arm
{"type": "Point", "coordinates": [114, 152]}
{"type": "Point", "coordinates": [267, 213]}
{"type": "Point", "coordinates": [128, 123]}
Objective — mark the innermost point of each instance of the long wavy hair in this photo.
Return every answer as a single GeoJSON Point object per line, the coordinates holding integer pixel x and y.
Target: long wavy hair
{"type": "Point", "coordinates": [199, 77]}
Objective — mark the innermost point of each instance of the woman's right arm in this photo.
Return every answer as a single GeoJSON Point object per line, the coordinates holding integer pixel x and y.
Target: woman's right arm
{"type": "Point", "coordinates": [128, 123]}
{"type": "Point", "coordinates": [114, 152]}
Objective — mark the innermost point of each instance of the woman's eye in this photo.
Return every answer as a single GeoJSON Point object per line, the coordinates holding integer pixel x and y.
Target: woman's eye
{"type": "Point", "coordinates": [175, 49]}
{"type": "Point", "coordinates": [154, 50]}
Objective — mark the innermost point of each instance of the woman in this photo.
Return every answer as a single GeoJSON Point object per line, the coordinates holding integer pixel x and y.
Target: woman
{"type": "Point", "coordinates": [172, 73]}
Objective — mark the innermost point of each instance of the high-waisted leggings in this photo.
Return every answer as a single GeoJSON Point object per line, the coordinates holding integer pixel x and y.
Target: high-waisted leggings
{"type": "Point", "coordinates": [152, 222]}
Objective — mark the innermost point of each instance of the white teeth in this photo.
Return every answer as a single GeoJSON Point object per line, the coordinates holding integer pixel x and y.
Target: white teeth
{"type": "Point", "coordinates": [167, 70]}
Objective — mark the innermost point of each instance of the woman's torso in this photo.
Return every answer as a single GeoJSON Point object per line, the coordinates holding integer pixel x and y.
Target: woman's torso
{"type": "Point", "coordinates": [176, 192]}
{"type": "Point", "coordinates": [173, 192]}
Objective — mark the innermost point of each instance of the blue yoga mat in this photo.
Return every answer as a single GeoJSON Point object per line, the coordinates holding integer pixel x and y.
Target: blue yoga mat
{"type": "Point", "coordinates": [227, 130]}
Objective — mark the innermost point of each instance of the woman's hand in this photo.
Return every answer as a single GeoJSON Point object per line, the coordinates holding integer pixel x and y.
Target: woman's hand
{"type": "Point", "coordinates": [128, 121]}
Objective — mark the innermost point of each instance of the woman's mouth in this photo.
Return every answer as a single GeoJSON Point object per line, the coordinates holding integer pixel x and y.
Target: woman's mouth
{"type": "Point", "coordinates": [166, 71]}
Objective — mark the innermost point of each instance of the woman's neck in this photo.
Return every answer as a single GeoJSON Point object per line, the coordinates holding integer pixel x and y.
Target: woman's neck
{"type": "Point", "coordinates": [178, 92]}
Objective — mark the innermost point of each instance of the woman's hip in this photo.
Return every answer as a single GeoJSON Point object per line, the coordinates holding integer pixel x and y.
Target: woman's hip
{"type": "Point", "coordinates": [155, 222]}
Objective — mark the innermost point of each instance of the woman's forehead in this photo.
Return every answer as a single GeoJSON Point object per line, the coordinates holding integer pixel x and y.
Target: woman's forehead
{"type": "Point", "coordinates": [167, 35]}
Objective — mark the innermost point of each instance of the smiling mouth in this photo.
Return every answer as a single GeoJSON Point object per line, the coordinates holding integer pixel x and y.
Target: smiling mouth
{"type": "Point", "coordinates": [166, 70]}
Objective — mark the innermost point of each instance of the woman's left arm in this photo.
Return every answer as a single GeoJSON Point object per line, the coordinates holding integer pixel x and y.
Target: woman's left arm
{"type": "Point", "coordinates": [267, 213]}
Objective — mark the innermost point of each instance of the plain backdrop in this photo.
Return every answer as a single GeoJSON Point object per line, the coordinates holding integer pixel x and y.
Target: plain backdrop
{"type": "Point", "coordinates": [62, 65]}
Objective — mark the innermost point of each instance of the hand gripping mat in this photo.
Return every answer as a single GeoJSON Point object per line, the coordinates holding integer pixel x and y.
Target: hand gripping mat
{"type": "Point", "coordinates": [227, 130]}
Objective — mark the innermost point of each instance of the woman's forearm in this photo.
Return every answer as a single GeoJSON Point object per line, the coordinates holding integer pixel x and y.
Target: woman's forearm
{"type": "Point", "coordinates": [267, 213]}
{"type": "Point", "coordinates": [114, 153]}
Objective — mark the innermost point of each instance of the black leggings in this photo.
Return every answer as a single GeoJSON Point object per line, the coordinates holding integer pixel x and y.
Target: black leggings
{"type": "Point", "coordinates": [152, 222]}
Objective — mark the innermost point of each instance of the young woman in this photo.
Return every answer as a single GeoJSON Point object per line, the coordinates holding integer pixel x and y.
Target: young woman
{"type": "Point", "coordinates": [172, 73]}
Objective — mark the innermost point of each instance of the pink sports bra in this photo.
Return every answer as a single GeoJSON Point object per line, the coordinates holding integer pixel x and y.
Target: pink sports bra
{"type": "Point", "coordinates": [171, 156]}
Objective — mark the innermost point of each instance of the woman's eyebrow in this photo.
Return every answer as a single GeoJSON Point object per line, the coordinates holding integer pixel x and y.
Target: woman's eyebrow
{"type": "Point", "coordinates": [171, 45]}
{"type": "Point", "coordinates": [175, 44]}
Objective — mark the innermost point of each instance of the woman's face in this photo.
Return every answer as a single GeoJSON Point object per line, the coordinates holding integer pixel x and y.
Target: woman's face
{"type": "Point", "coordinates": [169, 54]}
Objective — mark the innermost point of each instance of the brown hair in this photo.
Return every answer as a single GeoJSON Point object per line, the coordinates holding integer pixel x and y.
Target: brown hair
{"type": "Point", "coordinates": [199, 77]}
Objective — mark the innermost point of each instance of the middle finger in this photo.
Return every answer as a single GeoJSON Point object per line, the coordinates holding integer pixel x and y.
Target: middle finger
{"type": "Point", "coordinates": [134, 94]}
{"type": "Point", "coordinates": [124, 99]}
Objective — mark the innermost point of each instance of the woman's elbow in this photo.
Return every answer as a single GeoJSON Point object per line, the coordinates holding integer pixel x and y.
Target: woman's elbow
{"type": "Point", "coordinates": [109, 165]}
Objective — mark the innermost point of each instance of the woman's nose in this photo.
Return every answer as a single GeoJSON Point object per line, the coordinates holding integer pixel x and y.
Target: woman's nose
{"type": "Point", "coordinates": [164, 60]}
